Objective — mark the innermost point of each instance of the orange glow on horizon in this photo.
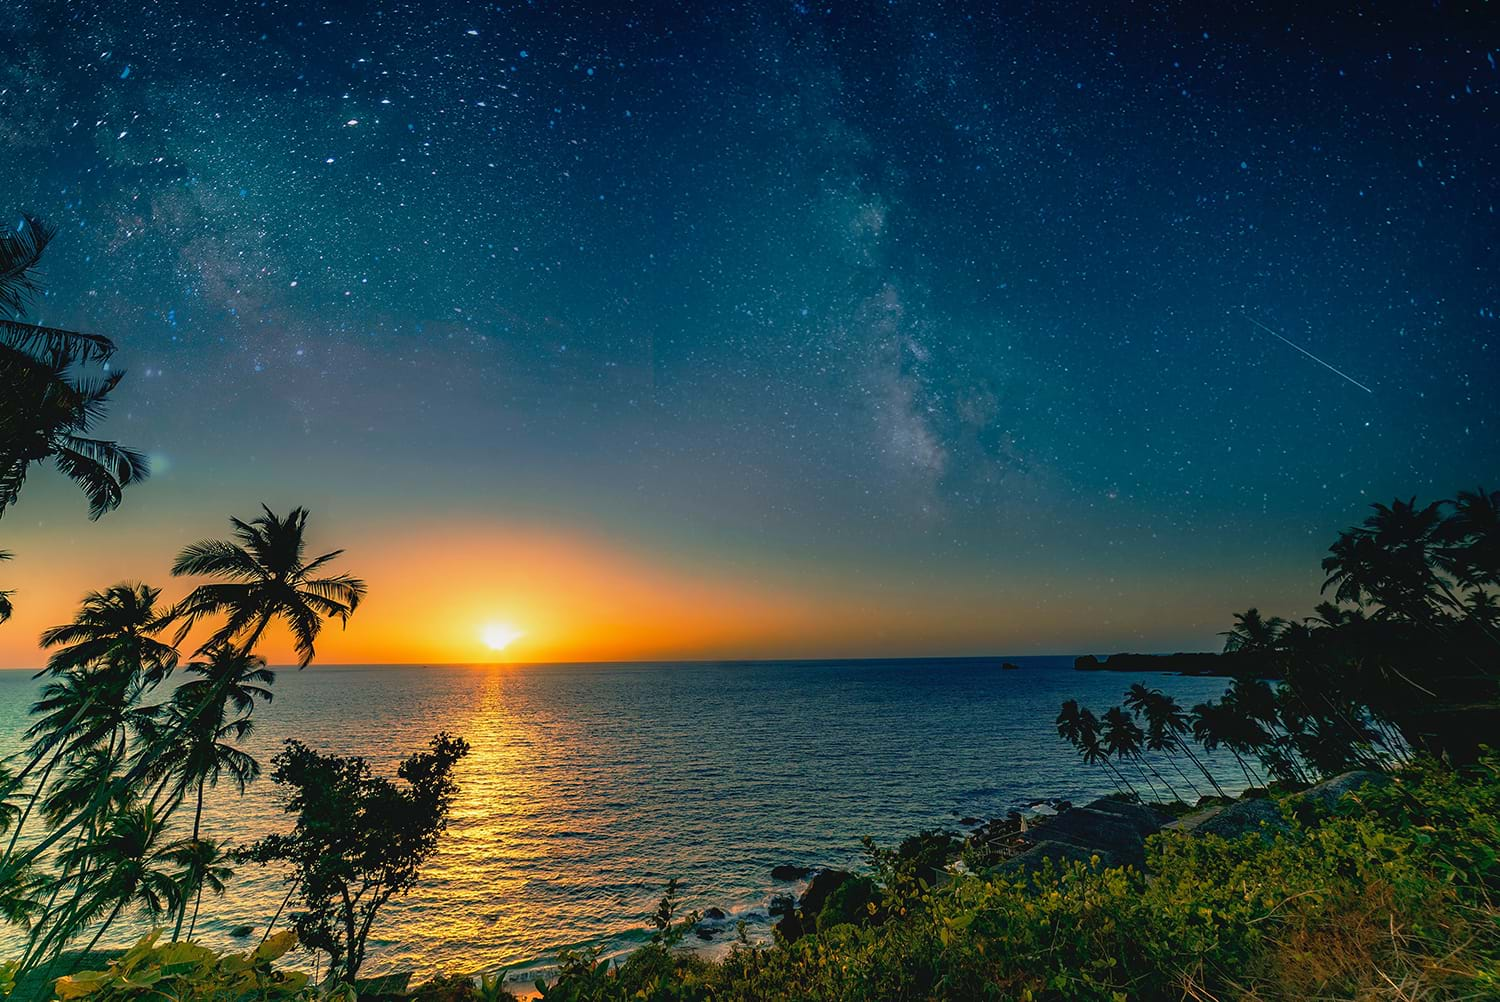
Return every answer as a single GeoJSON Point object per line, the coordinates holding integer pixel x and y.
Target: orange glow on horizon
{"type": "Point", "coordinates": [569, 594]}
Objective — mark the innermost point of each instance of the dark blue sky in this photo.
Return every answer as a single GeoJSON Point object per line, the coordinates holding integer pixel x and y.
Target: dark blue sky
{"type": "Point", "coordinates": [900, 293]}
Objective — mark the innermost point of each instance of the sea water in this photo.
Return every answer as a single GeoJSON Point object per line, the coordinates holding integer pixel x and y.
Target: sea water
{"type": "Point", "coordinates": [588, 787]}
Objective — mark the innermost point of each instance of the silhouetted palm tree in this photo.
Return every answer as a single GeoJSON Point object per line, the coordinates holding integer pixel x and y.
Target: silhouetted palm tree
{"type": "Point", "coordinates": [10, 812]}
{"type": "Point", "coordinates": [1253, 633]}
{"type": "Point", "coordinates": [265, 576]}
{"type": "Point", "coordinates": [46, 404]}
{"type": "Point", "coordinates": [1080, 728]}
{"type": "Point", "coordinates": [107, 658]}
{"type": "Point", "coordinates": [1213, 725]}
{"type": "Point", "coordinates": [1472, 533]}
{"type": "Point", "coordinates": [6, 609]}
{"type": "Point", "coordinates": [200, 754]}
{"type": "Point", "coordinates": [128, 861]}
{"type": "Point", "coordinates": [1392, 560]}
{"type": "Point", "coordinates": [231, 677]}
{"type": "Point", "coordinates": [1166, 722]}
{"type": "Point", "coordinates": [61, 406]}
{"type": "Point", "coordinates": [204, 865]}
{"type": "Point", "coordinates": [1123, 738]}
{"type": "Point", "coordinates": [116, 627]}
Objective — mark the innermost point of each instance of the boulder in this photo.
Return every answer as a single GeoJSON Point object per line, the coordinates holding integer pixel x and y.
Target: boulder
{"type": "Point", "coordinates": [1235, 820]}
{"type": "Point", "coordinates": [715, 914]}
{"type": "Point", "coordinates": [780, 905]}
{"type": "Point", "coordinates": [1326, 795]}
{"type": "Point", "coordinates": [242, 931]}
{"type": "Point", "coordinates": [823, 883]}
{"type": "Point", "coordinates": [787, 873]}
{"type": "Point", "coordinates": [1033, 859]}
{"type": "Point", "coordinates": [849, 903]}
{"type": "Point", "coordinates": [1113, 829]}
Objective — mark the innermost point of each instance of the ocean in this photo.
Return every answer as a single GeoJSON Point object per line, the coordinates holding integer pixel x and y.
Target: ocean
{"type": "Point", "coordinates": [590, 786]}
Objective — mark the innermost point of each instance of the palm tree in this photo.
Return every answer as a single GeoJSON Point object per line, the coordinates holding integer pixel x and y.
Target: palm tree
{"type": "Point", "coordinates": [202, 753]}
{"type": "Point", "coordinates": [1253, 633]}
{"type": "Point", "coordinates": [1212, 726]}
{"type": "Point", "coordinates": [1166, 722]}
{"type": "Point", "coordinates": [231, 676]}
{"type": "Point", "coordinates": [204, 865]}
{"type": "Point", "coordinates": [128, 862]}
{"type": "Point", "coordinates": [1264, 731]}
{"type": "Point", "coordinates": [1392, 560]}
{"type": "Point", "coordinates": [9, 812]}
{"type": "Point", "coordinates": [6, 609]}
{"type": "Point", "coordinates": [265, 576]}
{"type": "Point", "coordinates": [1473, 532]}
{"type": "Point", "coordinates": [1123, 738]}
{"type": "Point", "coordinates": [117, 626]}
{"type": "Point", "coordinates": [46, 405]}
{"type": "Point", "coordinates": [60, 407]}
{"type": "Point", "coordinates": [1080, 728]}
{"type": "Point", "coordinates": [20, 252]}
{"type": "Point", "coordinates": [107, 658]}
{"type": "Point", "coordinates": [76, 712]}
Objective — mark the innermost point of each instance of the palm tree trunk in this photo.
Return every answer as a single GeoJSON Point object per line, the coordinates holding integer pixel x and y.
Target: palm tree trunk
{"type": "Point", "coordinates": [1202, 768]}
{"type": "Point", "coordinates": [289, 892]}
{"type": "Point", "coordinates": [1120, 779]}
{"type": "Point", "coordinates": [114, 912]}
{"type": "Point", "coordinates": [197, 901]}
{"type": "Point", "coordinates": [41, 784]}
{"type": "Point", "coordinates": [1197, 793]}
{"type": "Point", "coordinates": [1147, 779]}
{"type": "Point", "coordinates": [1172, 792]}
{"type": "Point", "coordinates": [182, 909]}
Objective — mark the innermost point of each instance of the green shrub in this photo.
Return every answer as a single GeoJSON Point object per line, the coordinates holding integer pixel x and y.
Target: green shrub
{"type": "Point", "coordinates": [171, 971]}
{"type": "Point", "coordinates": [852, 901]}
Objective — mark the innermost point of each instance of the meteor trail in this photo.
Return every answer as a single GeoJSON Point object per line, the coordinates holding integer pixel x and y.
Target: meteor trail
{"type": "Point", "coordinates": [1308, 354]}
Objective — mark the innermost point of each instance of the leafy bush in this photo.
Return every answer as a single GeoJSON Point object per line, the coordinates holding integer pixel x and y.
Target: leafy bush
{"type": "Point", "coordinates": [189, 971]}
{"type": "Point", "coordinates": [852, 901]}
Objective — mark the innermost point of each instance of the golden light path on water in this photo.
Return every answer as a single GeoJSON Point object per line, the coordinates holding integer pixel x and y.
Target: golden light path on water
{"type": "Point", "coordinates": [588, 787]}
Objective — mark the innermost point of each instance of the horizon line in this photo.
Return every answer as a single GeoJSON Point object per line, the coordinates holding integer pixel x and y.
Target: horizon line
{"type": "Point", "coordinates": [688, 661]}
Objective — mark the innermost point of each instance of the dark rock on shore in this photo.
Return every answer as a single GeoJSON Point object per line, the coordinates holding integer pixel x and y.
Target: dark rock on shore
{"type": "Point", "coordinates": [788, 873]}
{"type": "Point", "coordinates": [1232, 821]}
{"type": "Point", "coordinates": [715, 914]}
{"type": "Point", "coordinates": [1328, 793]}
{"type": "Point", "coordinates": [823, 884]}
{"type": "Point", "coordinates": [1260, 814]}
{"type": "Point", "coordinates": [1113, 830]}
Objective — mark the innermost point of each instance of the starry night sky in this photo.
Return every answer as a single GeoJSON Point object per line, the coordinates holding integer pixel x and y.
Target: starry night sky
{"type": "Point", "coordinates": [941, 311]}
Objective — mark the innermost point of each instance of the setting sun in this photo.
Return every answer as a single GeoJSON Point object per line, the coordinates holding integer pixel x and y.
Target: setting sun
{"type": "Point", "coordinates": [499, 636]}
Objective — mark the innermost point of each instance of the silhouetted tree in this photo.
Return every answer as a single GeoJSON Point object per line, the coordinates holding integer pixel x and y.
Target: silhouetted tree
{"type": "Point", "coordinates": [359, 839]}
{"type": "Point", "coordinates": [48, 401]}
{"type": "Point", "coordinates": [265, 575]}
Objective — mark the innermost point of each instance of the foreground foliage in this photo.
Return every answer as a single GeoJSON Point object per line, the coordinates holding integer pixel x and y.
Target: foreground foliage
{"type": "Point", "coordinates": [1391, 896]}
{"type": "Point", "coordinates": [188, 971]}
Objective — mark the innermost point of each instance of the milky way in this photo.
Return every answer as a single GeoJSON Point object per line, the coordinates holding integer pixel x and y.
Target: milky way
{"type": "Point", "coordinates": [892, 290]}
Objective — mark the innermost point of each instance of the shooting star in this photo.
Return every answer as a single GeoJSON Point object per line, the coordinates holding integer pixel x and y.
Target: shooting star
{"type": "Point", "coordinates": [1309, 354]}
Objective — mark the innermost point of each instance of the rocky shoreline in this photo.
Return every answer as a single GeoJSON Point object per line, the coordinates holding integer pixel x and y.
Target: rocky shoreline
{"type": "Point", "coordinates": [1055, 832]}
